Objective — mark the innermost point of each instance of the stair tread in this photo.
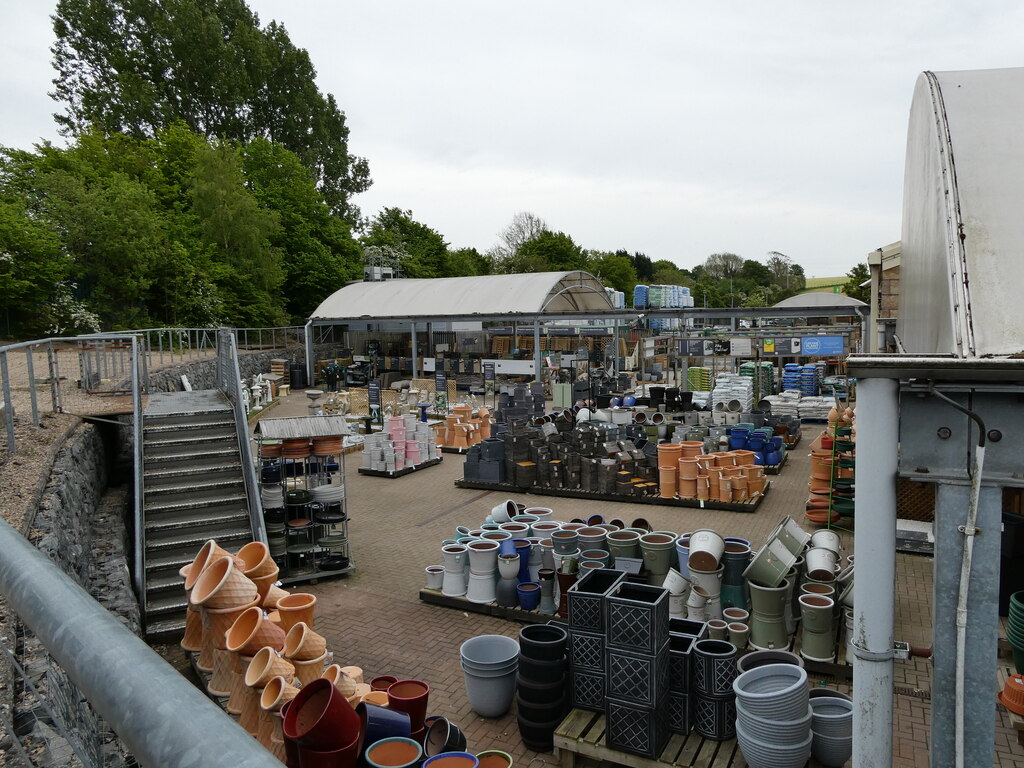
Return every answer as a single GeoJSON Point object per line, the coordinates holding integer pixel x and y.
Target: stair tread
{"type": "Point", "coordinates": [159, 428]}
{"type": "Point", "coordinates": [208, 484]}
{"type": "Point", "coordinates": [189, 537]}
{"type": "Point", "coordinates": [157, 528]}
{"type": "Point", "coordinates": [191, 469]}
{"type": "Point", "coordinates": [166, 627]}
{"type": "Point", "coordinates": [188, 439]}
{"type": "Point", "coordinates": [166, 603]}
{"type": "Point", "coordinates": [197, 501]}
{"type": "Point", "coordinates": [157, 458]}
{"type": "Point", "coordinates": [164, 582]}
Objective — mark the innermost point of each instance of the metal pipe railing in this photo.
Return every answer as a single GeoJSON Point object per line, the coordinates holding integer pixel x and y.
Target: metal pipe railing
{"type": "Point", "coordinates": [139, 561]}
{"type": "Point", "coordinates": [163, 718]}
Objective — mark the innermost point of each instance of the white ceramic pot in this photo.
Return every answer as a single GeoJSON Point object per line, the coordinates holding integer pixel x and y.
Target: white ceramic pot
{"type": "Point", "coordinates": [675, 583]}
{"type": "Point", "coordinates": [454, 557]}
{"type": "Point", "coordinates": [502, 513]}
{"type": "Point", "coordinates": [508, 566]}
{"type": "Point", "coordinates": [454, 583]}
{"type": "Point", "coordinates": [483, 556]}
{"type": "Point", "coordinates": [711, 583]}
{"type": "Point", "coordinates": [481, 588]}
{"type": "Point", "coordinates": [828, 539]}
{"type": "Point", "coordinates": [821, 563]}
{"type": "Point", "coordinates": [706, 548]}
{"type": "Point", "coordinates": [435, 576]}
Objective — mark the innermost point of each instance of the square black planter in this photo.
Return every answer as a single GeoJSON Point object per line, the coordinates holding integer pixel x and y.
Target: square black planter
{"type": "Point", "coordinates": [680, 712]}
{"type": "Point", "coordinates": [689, 627]}
{"type": "Point", "coordinates": [587, 599]}
{"type": "Point", "coordinates": [639, 678]}
{"type": "Point", "coordinates": [637, 617]}
{"type": "Point", "coordinates": [588, 690]}
{"type": "Point", "coordinates": [638, 730]}
{"type": "Point", "coordinates": [586, 651]}
{"type": "Point", "coordinates": [680, 663]}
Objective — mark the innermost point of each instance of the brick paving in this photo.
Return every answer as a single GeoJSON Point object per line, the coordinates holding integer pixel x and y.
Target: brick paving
{"type": "Point", "coordinates": [374, 618]}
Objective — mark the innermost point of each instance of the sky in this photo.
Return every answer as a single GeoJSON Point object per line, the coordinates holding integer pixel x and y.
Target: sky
{"type": "Point", "coordinates": [673, 128]}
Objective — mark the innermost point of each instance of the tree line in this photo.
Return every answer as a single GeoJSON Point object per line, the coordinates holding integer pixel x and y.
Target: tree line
{"type": "Point", "coordinates": [206, 180]}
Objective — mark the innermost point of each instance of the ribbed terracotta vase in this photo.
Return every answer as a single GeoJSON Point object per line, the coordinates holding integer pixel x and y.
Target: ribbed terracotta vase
{"type": "Point", "coordinates": [220, 621]}
{"type": "Point", "coordinates": [346, 685]}
{"type": "Point", "coordinates": [193, 638]}
{"type": "Point", "coordinates": [309, 670]}
{"type": "Point", "coordinates": [303, 644]}
{"type": "Point", "coordinates": [265, 666]}
{"type": "Point", "coordinates": [221, 585]}
{"type": "Point", "coordinates": [252, 631]}
{"type": "Point", "coordinates": [296, 607]}
{"type": "Point", "coordinates": [209, 552]}
{"type": "Point", "coordinates": [273, 595]}
{"type": "Point", "coordinates": [256, 560]}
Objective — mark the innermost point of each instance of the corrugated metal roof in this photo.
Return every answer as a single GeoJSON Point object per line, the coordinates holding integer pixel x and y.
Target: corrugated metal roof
{"type": "Point", "coordinates": [529, 293]}
{"type": "Point", "coordinates": [302, 426]}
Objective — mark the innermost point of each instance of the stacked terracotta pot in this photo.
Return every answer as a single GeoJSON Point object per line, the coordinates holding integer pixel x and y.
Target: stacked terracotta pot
{"type": "Point", "coordinates": [830, 487]}
{"type": "Point", "coordinates": [686, 472]}
{"type": "Point", "coordinates": [462, 429]}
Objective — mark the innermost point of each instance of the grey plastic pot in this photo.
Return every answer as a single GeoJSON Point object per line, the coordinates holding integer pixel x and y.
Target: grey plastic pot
{"type": "Point", "coordinates": [492, 671]}
{"type": "Point", "coordinates": [490, 696]}
{"type": "Point", "coordinates": [762, 754]}
{"type": "Point", "coordinates": [773, 692]}
{"type": "Point", "coordinates": [489, 650]}
{"type": "Point", "coordinates": [819, 693]}
{"type": "Point", "coordinates": [833, 717]}
{"type": "Point", "coordinates": [771, 730]}
{"type": "Point", "coordinates": [760, 658]}
{"type": "Point", "coordinates": [831, 752]}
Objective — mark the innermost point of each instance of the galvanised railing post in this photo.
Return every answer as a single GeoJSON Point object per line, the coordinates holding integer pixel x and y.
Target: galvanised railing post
{"type": "Point", "coordinates": [12, 445]}
{"type": "Point", "coordinates": [139, 571]}
{"type": "Point", "coordinates": [161, 716]}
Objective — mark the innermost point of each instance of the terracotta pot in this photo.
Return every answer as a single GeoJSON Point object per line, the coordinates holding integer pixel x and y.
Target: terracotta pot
{"type": "Point", "coordinates": [362, 690]}
{"type": "Point", "coordinates": [238, 686]}
{"type": "Point", "coordinates": [220, 681]}
{"type": "Point", "coordinates": [345, 684]}
{"type": "Point", "coordinates": [356, 673]}
{"type": "Point", "coordinates": [209, 552]}
{"type": "Point", "coordinates": [396, 752]}
{"type": "Point", "coordinates": [265, 583]}
{"type": "Point", "coordinates": [193, 638]}
{"type": "Point", "coordinates": [273, 595]}
{"type": "Point", "coordinates": [379, 698]}
{"type": "Point", "coordinates": [219, 621]}
{"type": "Point", "coordinates": [265, 666]}
{"type": "Point", "coordinates": [303, 644]}
{"type": "Point", "coordinates": [276, 693]}
{"type": "Point", "coordinates": [320, 718]}
{"type": "Point", "coordinates": [256, 560]}
{"type": "Point", "coordinates": [310, 670]}
{"type": "Point", "coordinates": [688, 469]}
{"type": "Point", "coordinates": [296, 607]}
{"type": "Point", "coordinates": [222, 585]}
{"type": "Point", "coordinates": [252, 631]}
{"type": "Point", "coordinates": [410, 696]}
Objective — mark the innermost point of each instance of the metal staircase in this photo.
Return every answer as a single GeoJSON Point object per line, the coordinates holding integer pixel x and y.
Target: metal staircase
{"type": "Point", "coordinates": [194, 489]}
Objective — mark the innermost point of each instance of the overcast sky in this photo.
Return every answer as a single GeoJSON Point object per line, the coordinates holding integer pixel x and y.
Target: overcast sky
{"type": "Point", "coordinates": [673, 128]}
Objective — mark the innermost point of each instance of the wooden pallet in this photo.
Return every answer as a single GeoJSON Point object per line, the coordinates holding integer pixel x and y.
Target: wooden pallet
{"type": "Point", "coordinates": [1004, 672]}
{"type": "Point", "coordinates": [583, 733]}
{"type": "Point", "coordinates": [774, 469]}
{"type": "Point", "coordinates": [750, 505]}
{"type": "Point", "coordinates": [460, 603]}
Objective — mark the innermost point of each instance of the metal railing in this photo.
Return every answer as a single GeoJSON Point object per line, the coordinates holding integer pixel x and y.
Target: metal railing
{"type": "Point", "coordinates": [162, 718]}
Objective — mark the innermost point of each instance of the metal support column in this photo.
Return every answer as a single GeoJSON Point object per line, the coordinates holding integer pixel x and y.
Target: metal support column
{"type": "Point", "coordinates": [874, 587]}
{"type": "Point", "coordinates": [614, 368]}
{"type": "Point", "coordinates": [310, 362]}
{"type": "Point", "coordinates": [415, 361]}
{"type": "Point", "coordinates": [8, 404]}
{"type": "Point", "coordinates": [982, 626]}
{"type": "Point", "coordinates": [31, 370]}
{"type": "Point", "coordinates": [536, 349]}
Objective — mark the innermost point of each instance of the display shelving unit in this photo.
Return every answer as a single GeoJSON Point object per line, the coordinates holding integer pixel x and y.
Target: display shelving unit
{"type": "Point", "coordinates": [303, 496]}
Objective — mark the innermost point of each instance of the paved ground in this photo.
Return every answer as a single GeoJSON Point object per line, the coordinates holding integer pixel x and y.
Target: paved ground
{"type": "Point", "coordinates": [374, 618]}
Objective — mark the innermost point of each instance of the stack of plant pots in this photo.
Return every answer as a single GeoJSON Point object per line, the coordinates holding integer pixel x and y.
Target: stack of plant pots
{"type": "Point", "coordinates": [832, 730]}
{"type": "Point", "coordinates": [766, 577]}
{"type": "Point", "coordinates": [587, 620]}
{"type": "Point", "coordinates": [714, 669]}
{"type": "Point", "coordinates": [657, 549]}
{"type": "Point", "coordinates": [483, 563]}
{"type": "Point", "coordinates": [682, 635]}
{"type": "Point", "coordinates": [1015, 629]}
{"type": "Point", "coordinates": [735, 559]}
{"type": "Point", "coordinates": [773, 724]}
{"type": "Point", "coordinates": [704, 562]}
{"type": "Point", "coordinates": [637, 662]}
{"type": "Point", "coordinates": [541, 699]}
{"type": "Point", "coordinates": [489, 666]}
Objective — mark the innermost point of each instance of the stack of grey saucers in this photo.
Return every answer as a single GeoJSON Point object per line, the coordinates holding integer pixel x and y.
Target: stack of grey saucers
{"type": "Point", "coordinates": [773, 716]}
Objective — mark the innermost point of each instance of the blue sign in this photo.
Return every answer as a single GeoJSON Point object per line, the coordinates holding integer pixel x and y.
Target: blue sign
{"type": "Point", "coordinates": [822, 345]}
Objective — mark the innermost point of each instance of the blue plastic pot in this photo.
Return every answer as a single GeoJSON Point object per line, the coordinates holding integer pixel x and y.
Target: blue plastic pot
{"type": "Point", "coordinates": [772, 458]}
{"type": "Point", "coordinates": [529, 595]}
{"type": "Point", "coordinates": [507, 547]}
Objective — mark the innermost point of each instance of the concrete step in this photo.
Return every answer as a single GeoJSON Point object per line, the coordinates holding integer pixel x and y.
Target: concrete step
{"type": "Point", "coordinates": [170, 488]}
{"type": "Point", "coordinates": [164, 524]}
{"type": "Point", "coordinates": [195, 501]}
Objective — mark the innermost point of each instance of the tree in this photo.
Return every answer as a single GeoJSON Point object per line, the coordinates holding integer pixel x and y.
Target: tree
{"type": "Point", "coordinates": [857, 275]}
{"type": "Point", "coordinates": [642, 264]}
{"type": "Point", "coordinates": [425, 251]}
{"type": "Point", "coordinates": [666, 273]}
{"type": "Point", "coordinates": [137, 66]}
{"type": "Point", "coordinates": [524, 227]}
{"type": "Point", "coordinates": [797, 278]}
{"type": "Point", "coordinates": [31, 268]}
{"type": "Point", "coordinates": [755, 271]}
{"type": "Point", "coordinates": [615, 270]}
{"type": "Point", "coordinates": [467, 261]}
{"type": "Point", "coordinates": [548, 252]}
{"type": "Point", "coordinates": [721, 266]}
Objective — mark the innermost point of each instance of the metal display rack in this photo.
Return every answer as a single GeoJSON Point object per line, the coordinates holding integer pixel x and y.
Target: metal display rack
{"type": "Point", "coordinates": [307, 530]}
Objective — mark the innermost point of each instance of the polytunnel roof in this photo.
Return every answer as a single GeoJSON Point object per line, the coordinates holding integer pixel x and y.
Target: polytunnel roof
{"type": "Point", "coordinates": [820, 299]}
{"type": "Point", "coordinates": [531, 293]}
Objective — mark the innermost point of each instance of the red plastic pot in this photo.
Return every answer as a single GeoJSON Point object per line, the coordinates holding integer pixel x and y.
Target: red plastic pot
{"type": "Point", "coordinates": [321, 719]}
{"type": "Point", "coordinates": [410, 696]}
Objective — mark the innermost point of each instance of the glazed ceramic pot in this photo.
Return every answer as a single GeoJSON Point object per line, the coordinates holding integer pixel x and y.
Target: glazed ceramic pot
{"type": "Point", "coordinates": [443, 736]}
{"type": "Point", "coordinates": [529, 595]}
{"type": "Point", "coordinates": [382, 682]}
{"type": "Point", "coordinates": [381, 722]}
{"type": "Point", "coordinates": [711, 582]}
{"type": "Point", "coordinates": [394, 752]}
{"type": "Point", "coordinates": [547, 593]}
{"type": "Point", "coordinates": [494, 758]}
{"type": "Point", "coordinates": [452, 760]}
{"type": "Point", "coordinates": [591, 537]}
{"type": "Point", "coordinates": [675, 583]}
{"type": "Point", "coordinates": [768, 617]}
{"type": "Point", "coordinates": [718, 629]}
{"type": "Point", "coordinates": [503, 513]}
{"type": "Point", "coordinates": [817, 639]}
{"type": "Point", "coordinates": [483, 556]}
{"type": "Point", "coordinates": [682, 545]}
{"type": "Point", "coordinates": [738, 634]}
{"type": "Point", "coordinates": [774, 692]}
{"type": "Point", "coordinates": [481, 588]}
{"type": "Point", "coordinates": [320, 718]}
{"type": "Point", "coordinates": [543, 641]}
{"type": "Point", "coordinates": [435, 576]}
{"type": "Point", "coordinates": [656, 549]}
{"type": "Point", "coordinates": [696, 603]}
{"type": "Point", "coordinates": [761, 658]}
{"type": "Point", "coordinates": [410, 696]}
{"type": "Point", "coordinates": [623, 543]}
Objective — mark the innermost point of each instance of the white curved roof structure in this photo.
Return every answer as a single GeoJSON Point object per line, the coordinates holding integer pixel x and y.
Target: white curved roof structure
{"type": "Point", "coordinates": [963, 232]}
{"type": "Point", "coordinates": [817, 299]}
{"type": "Point", "coordinates": [530, 294]}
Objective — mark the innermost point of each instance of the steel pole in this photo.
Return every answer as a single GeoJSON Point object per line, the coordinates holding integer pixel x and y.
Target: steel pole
{"type": "Point", "coordinates": [12, 445]}
{"type": "Point", "coordinates": [874, 588]}
{"type": "Point", "coordinates": [161, 716]}
{"type": "Point", "coordinates": [31, 370]}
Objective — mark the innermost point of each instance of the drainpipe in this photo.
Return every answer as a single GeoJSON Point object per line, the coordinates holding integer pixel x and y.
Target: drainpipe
{"type": "Point", "coordinates": [874, 588]}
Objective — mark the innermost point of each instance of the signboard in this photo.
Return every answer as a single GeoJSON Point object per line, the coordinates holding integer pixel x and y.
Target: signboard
{"type": "Point", "coordinates": [488, 371]}
{"type": "Point", "coordinates": [822, 345]}
{"type": "Point", "coordinates": [373, 392]}
{"type": "Point", "coordinates": [768, 346]}
{"type": "Point", "coordinates": [740, 347]}
{"type": "Point", "coordinates": [441, 381]}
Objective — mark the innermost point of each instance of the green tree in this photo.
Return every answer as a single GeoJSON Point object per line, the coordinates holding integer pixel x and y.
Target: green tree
{"type": "Point", "coordinates": [425, 250]}
{"type": "Point", "coordinates": [524, 227]}
{"type": "Point", "coordinates": [667, 273]}
{"type": "Point", "coordinates": [755, 271]}
{"type": "Point", "coordinates": [857, 275]}
{"type": "Point", "coordinates": [643, 266]}
{"type": "Point", "coordinates": [615, 270]}
{"type": "Point", "coordinates": [137, 66]}
{"type": "Point", "coordinates": [467, 261]}
{"type": "Point", "coordinates": [31, 268]}
{"type": "Point", "coordinates": [719, 266]}
{"type": "Point", "coordinates": [549, 252]}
